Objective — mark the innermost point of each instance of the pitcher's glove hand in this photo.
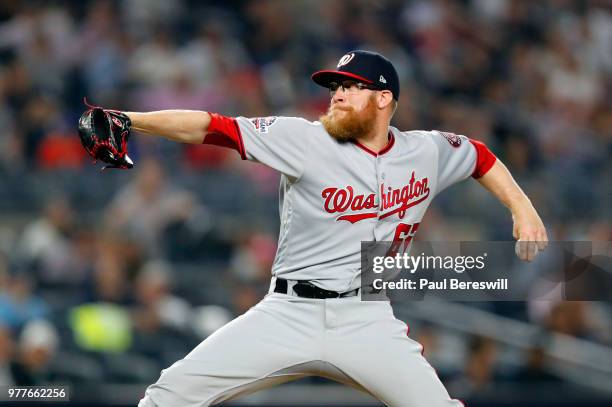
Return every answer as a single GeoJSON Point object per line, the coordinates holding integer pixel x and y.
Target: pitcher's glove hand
{"type": "Point", "coordinates": [104, 134]}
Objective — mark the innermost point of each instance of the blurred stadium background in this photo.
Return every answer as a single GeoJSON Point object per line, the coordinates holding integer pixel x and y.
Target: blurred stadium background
{"type": "Point", "coordinates": [106, 278]}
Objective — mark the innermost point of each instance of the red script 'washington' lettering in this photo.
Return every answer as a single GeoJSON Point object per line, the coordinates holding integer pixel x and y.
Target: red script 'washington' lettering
{"type": "Point", "coordinates": [398, 200]}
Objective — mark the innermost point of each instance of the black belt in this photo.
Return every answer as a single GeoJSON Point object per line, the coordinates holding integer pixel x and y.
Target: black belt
{"type": "Point", "coordinates": [308, 290]}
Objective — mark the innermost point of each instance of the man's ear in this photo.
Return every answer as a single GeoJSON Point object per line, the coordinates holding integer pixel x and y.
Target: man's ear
{"type": "Point", "coordinates": [385, 98]}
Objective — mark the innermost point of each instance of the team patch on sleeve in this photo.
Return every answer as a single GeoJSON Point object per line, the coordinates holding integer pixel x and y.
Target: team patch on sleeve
{"type": "Point", "coordinates": [263, 123]}
{"type": "Point", "coordinates": [452, 138]}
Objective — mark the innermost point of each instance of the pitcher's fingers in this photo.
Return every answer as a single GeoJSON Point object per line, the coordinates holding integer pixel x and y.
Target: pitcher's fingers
{"type": "Point", "coordinates": [542, 240]}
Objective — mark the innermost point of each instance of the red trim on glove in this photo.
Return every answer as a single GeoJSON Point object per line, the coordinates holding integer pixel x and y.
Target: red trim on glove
{"type": "Point", "coordinates": [484, 159]}
{"type": "Point", "coordinates": [224, 131]}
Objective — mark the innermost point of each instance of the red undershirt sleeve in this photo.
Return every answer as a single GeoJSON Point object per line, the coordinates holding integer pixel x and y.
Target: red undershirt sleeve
{"type": "Point", "coordinates": [224, 131]}
{"type": "Point", "coordinates": [484, 159]}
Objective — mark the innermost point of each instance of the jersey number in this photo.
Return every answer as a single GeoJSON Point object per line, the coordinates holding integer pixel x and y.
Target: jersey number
{"type": "Point", "coordinates": [404, 233]}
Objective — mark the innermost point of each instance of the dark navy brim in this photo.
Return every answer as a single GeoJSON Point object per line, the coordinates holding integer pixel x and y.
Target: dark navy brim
{"type": "Point", "coordinates": [324, 78]}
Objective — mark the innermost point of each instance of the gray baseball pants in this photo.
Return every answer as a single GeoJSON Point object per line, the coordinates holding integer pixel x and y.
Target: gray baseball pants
{"type": "Point", "coordinates": [284, 337]}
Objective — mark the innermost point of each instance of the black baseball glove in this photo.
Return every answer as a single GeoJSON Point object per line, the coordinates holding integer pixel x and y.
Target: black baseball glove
{"type": "Point", "coordinates": [104, 134]}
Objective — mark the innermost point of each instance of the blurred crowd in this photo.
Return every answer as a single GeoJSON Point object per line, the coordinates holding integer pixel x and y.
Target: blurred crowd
{"type": "Point", "coordinates": [133, 269]}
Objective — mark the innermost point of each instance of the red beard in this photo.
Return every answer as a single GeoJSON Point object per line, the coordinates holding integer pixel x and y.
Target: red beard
{"type": "Point", "coordinates": [351, 124]}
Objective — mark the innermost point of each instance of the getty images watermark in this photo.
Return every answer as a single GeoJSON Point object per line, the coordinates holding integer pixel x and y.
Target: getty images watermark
{"type": "Point", "coordinates": [415, 263]}
{"type": "Point", "coordinates": [486, 271]}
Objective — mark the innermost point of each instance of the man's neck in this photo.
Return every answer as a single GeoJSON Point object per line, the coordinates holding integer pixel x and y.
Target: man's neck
{"type": "Point", "coordinates": [377, 139]}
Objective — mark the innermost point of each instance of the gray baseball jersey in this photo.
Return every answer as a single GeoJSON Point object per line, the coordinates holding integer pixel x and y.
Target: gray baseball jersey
{"type": "Point", "coordinates": [335, 195]}
{"type": "Point", "coordinates": [332, 196]}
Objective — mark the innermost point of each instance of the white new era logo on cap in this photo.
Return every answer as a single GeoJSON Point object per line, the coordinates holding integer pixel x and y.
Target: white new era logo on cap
{"type": "Point", "coordinates": [382, 79]}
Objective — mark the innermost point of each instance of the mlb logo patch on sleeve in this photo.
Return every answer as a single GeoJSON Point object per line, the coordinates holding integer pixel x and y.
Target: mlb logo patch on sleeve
{"type": "Point", "coordinates": [452, 138]}
{"type": "Point", "coordinates": [263, 123]}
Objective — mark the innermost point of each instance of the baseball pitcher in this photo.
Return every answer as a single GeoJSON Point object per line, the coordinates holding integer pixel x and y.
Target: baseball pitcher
{"type": "Point", "coordinates": [347, 178]}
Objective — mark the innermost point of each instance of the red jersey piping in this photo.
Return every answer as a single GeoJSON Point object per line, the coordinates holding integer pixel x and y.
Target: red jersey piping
{"type": "Point", "coordinates": [381, 152]}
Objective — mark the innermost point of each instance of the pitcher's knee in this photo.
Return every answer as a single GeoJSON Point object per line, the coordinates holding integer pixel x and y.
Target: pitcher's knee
{"type": "Point", "coordinates": [161, 396]}
{"type": "Point", "coordinates": [179, 385]}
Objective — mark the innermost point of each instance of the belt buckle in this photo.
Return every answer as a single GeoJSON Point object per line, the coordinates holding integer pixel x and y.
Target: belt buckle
{"type": "Point", "coordinates": [323, 293]}
{"type": "Point", "coordinates": [330, 293]}
{"type": "Point", "coordinates": [308, 290]}
{"type": "Point", "coordinates": [304, 289]}
{"type": "Point", "coordinates": [333, 294]}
